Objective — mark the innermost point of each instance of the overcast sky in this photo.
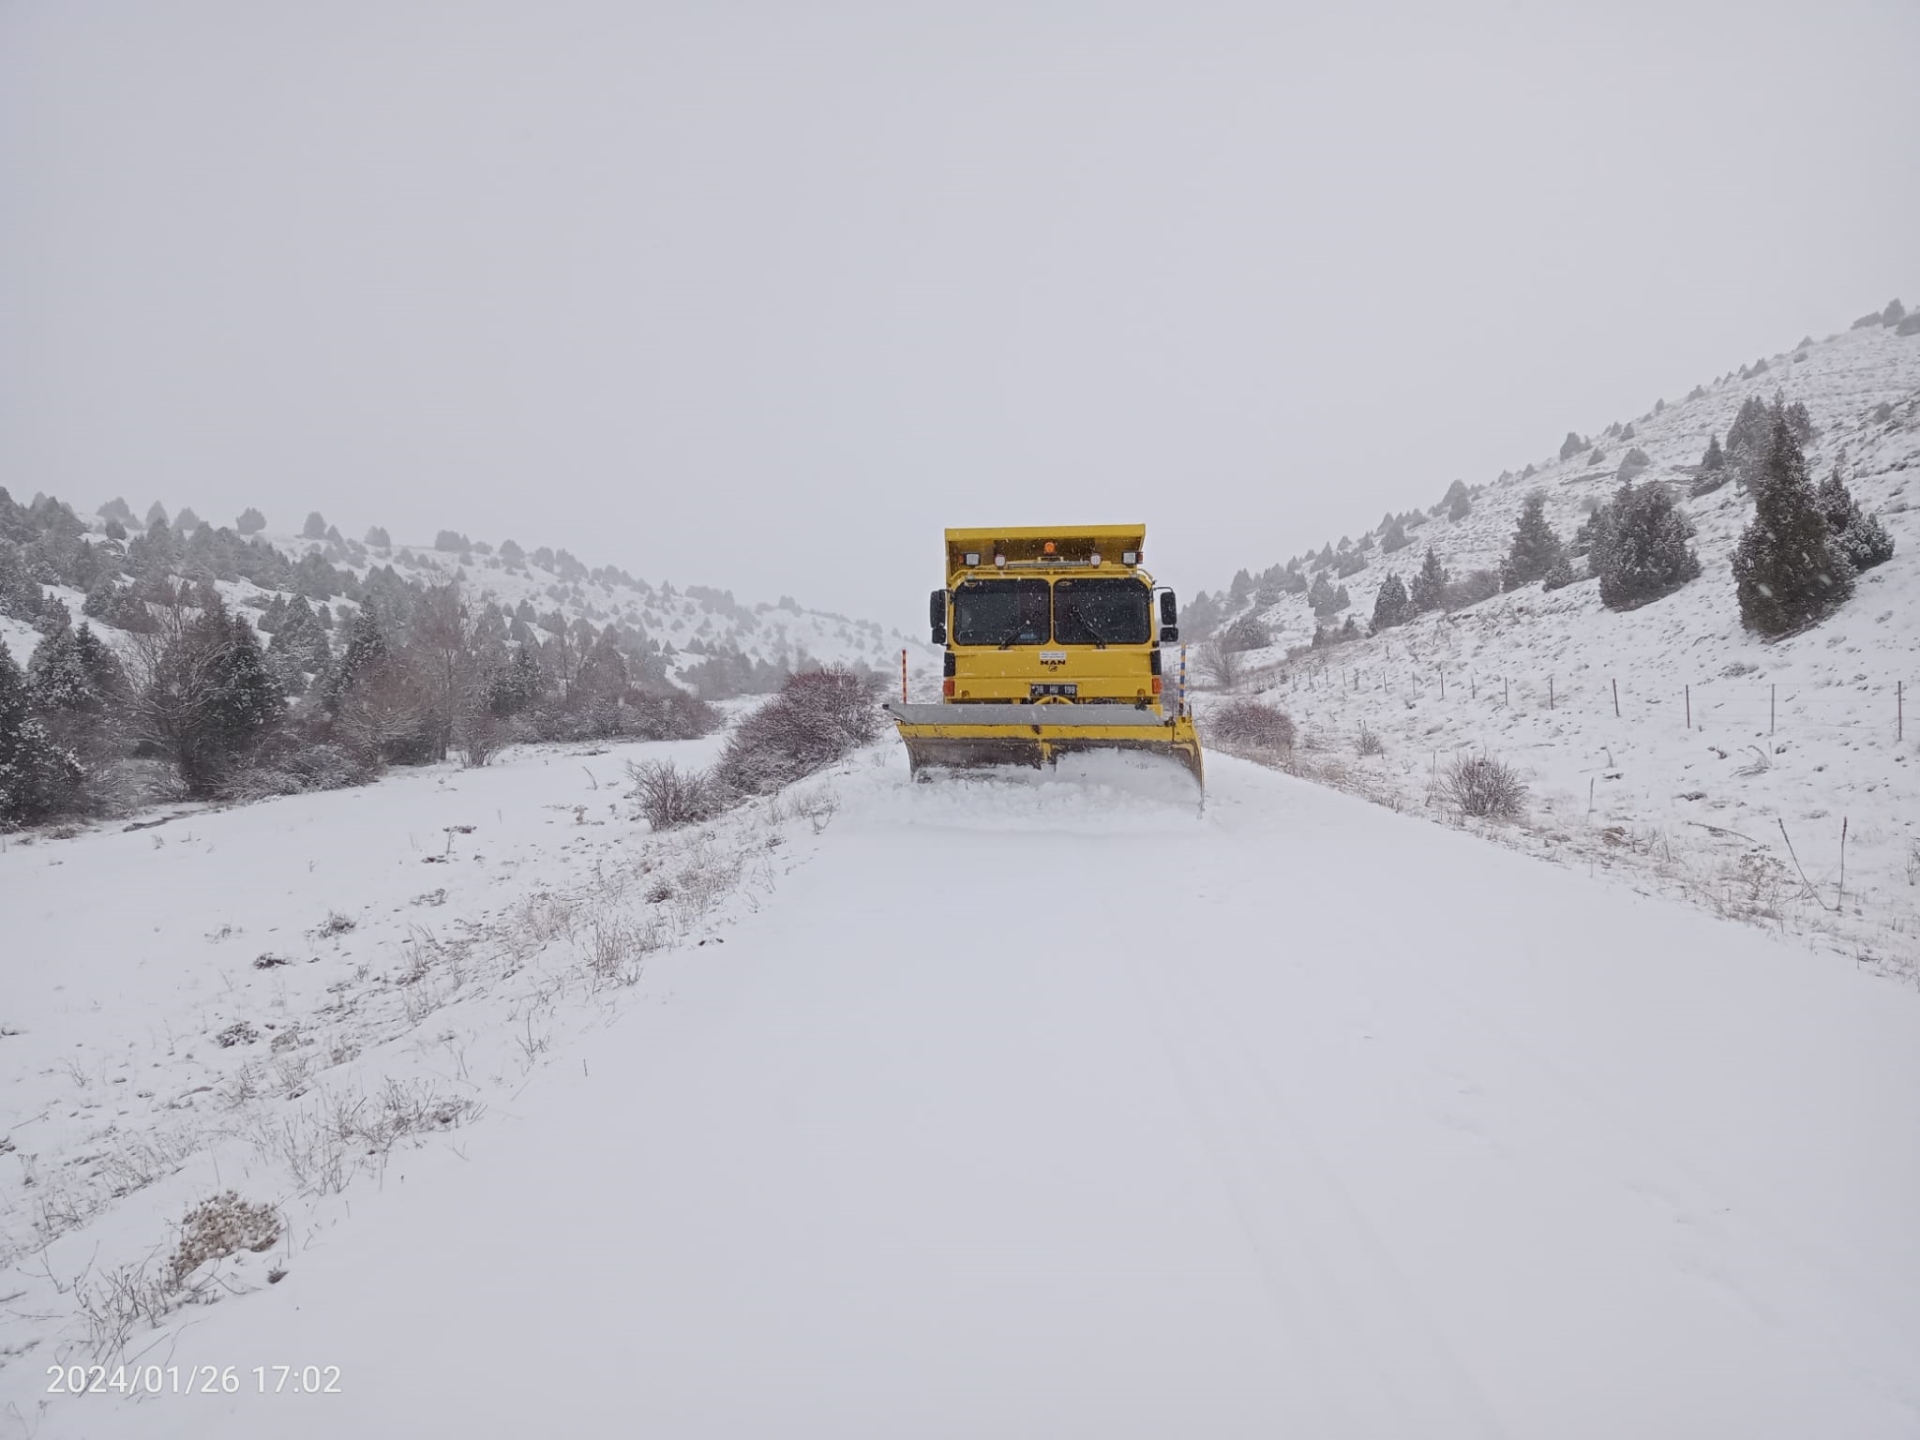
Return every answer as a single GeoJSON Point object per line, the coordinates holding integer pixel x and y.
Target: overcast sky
{"type": "Point", "coordinates": [763, 295]}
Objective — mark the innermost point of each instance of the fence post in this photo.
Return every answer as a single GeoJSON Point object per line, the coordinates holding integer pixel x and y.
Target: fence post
{"type": "Point", "coordinates": [1773, 693]}
{"type": "Point", "coordinates": [903, 677]}
{"type": "Point", "coordinates": [1549, 692]}
{"type": "Point", "coordinates": [1443, 684]}
{"type": "Point", "coordinates": [1616, 699]}
{"type": "Point", "coordinates": [1899, 710]}
{"type": "Point", "coordinates": [1689, 708]}
{"type": "Point", "coordinates": [1505, 697]}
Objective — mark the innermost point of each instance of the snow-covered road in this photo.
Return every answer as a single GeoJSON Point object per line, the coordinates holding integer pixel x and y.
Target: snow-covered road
{"type": "Point", "coordinates": [1055, 1110]}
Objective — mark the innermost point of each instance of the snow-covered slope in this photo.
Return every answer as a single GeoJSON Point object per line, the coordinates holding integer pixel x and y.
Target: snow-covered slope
{"type": "Point", "coordinates": [692, 623]}
{"type": "Point", "coordinates": [1721, 738]}
{"type": "Point", "coordinates": [1136, 1128]}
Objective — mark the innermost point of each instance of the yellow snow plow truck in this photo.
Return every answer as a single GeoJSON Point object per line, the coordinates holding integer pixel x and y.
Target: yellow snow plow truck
{"type": "Point", "coordinates": [1053, 641]}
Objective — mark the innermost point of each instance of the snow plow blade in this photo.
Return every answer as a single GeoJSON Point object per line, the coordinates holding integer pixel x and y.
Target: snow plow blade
{"type": "Point", "coordinates": [968, 737]}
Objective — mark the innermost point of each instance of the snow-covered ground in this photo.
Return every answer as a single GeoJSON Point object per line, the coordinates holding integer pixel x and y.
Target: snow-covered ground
{"type": "Point", "coordinates": [1022, 1108]}
{"type": "Point", "coordinates": [1721, 740]}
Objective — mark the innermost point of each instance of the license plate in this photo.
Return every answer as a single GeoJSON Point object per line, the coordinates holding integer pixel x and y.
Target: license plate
{"type": "Point", "coordinates": [1034, 692]}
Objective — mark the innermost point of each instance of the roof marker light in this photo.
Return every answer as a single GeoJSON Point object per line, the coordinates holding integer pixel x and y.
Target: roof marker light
{"type": "Point", "coordinates": [1129, 557]}
{"type": "Point", "coordinates": [1094, 558]}
{"type": "Point", "coordinates": [1048, 547]}
{"type": "Point", "coordinates": [1001, 561]}
{"type": "Point", "coordinates": [973, 557]}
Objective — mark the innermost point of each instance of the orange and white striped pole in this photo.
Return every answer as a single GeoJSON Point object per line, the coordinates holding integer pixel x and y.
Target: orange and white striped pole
{"type": "Point", "coordinates": [903, 677]}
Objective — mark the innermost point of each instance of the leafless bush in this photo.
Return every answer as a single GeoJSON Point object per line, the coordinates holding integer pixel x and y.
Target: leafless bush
{"type": "Point", "coordinates": [818, 717]}
{"type": "Point", "coordinates": [219, 1227]}
{"type": "Point", "coordinates": [1369, 742]}
{"type": "Point", "coordinates": [402, 1108]}
{"type": "Point", "coordinates": [1913, 862]}
{"type": "Point", "coordinates": [614, 949]}
{"type": "Point", "coordinates": [1220, 665]}
{"type": "Point", "coordinates": [121, 1302]}
{"type": "Point", "coordinates": [1252, 723]}
{"type": "Point", "coordinates": [241, 1032]}
{"type": "Point", "coordinates": [670, 797]}
{"type": "Point", "coordinates": [1483, 787]}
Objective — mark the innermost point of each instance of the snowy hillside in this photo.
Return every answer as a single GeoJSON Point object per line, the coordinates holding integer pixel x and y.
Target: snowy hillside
{"type": "Point", "coordinates": [690, 624]}
{"type": "Point", "coordinates": [1517, 1154]}
{"type": "Point", "coordinates": [1725, 748]}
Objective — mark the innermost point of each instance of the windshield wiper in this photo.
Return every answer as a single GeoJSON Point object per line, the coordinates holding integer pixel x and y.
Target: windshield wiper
{"type": "Point", "coordinates": [1014, 634]}
{"type": "Point", "coordinates": [1099, 640]}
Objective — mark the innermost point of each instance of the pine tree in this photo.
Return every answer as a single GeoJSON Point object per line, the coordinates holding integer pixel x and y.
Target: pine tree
{"type": "Point", "coordinates": [1242, 585]}
{"type": "Point", "coordinates": [1559, 575]}
{"type": "Point", "coordinates": [366, 651]}
{"type": "Point", "coordinates": [1395, 538]}
{"type": "Point", "coordinates": [315, 528]}
{"type": "Point", "coordinates": [1747, 440]}
{"type": "Point", "coordinates": [1712, 471]}
{"type": "Point", "coordinates": [251, 522]}
{"type": "Point", "coordinates": [300, 646]}
{"type": "Point", "coordinates": [1860, 536]}
{"type": "Point", "coordinates": [1320, 595]}
{"type": "Point", "coordinates": [1535, 546]}
{"type": "Point", "coordinates": [1391, 606]}
{"type": "Point", "coordinates": [1571, 446]}
{"type": "Point", "coordinates": [1788, 571]}
{"type": "Point", "coordinates": [56, 676]}
{"type": "Point", "coordinates": [1427, 585]}
{"type": "Point", "coordinates": [1641, 553]}
{"type": "Point", "coordinates": [37, 777]}
{"type": "Point", "coordinates": [246, 699]}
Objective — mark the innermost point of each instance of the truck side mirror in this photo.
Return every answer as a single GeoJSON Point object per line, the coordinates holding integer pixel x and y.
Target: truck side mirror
{"type": "Point", "coordinates": [1169, 634]}
{"type": "Point", "coordinates": [937, 616]}
{"type": "Point", "coordinates": [1169, 615]}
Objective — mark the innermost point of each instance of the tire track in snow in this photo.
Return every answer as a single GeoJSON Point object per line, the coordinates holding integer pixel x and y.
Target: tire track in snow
{"type": "Point", "coordinates": [1388, 1370]}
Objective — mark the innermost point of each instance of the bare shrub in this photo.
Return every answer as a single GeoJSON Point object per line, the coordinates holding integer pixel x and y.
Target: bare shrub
{"type": "Point", "coordinates": [121, 1302]}
{"type": "Point", "coordinates": [818, 717]}
{"type": "Point", "coordinates": [219, 1227]}
{"type": "Point", "coordinates": [1220, 664]}
{"type": "Point", "coordinates": [241, 1032]}
{"type": "Point", "coordinates": [1369, 742]}
{"type": "Point", "coordinates": [670, 797]}
{"type": "Point", "coordinates": [1483, 787]}
{"type": "Point", "coordinates": [1252, 723]}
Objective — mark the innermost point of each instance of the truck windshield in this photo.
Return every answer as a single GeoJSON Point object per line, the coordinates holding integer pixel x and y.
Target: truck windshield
{"type": "Point", "coordinates": [1101, 612]}
{"type": "Point", "coordinates": [1000, 612]}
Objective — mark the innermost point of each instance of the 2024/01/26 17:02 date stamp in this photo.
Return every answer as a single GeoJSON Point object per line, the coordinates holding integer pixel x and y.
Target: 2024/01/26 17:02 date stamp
{"type": "Point", "coordinates": [193, 1380]}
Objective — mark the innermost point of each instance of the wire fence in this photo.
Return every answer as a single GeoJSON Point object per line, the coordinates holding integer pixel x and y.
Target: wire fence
{"type": "Point", "coordinates": [1863, 707]}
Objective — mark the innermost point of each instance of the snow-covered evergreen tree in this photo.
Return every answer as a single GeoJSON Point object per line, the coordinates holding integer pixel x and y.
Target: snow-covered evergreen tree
{"type": "Point", "coordinates": [251, 522]}
{"type": "Point", "coordinates": [1394, 538]}
{"type": "Point", "coordinates": [1788, 569]}
{"type": "Point", "coordinates": [1430, 580]}
{"type": "Point", "coordinates": [315, 528]}
{"type": "Point", "coordinates": [38, 777]}
{"type": "Point", "coordinates": [1641, 553]}
{"type": "Point", "coordinates": [1320, 595]}
{"type": "Point", "coordinates": [1391, 606]}
{"type": "Point", "coordinates": [1861, 537]}
{"type": "Point", "coordinates": [1535, 546]}
{"type": "Point", "coordinates": [1712, 471]}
